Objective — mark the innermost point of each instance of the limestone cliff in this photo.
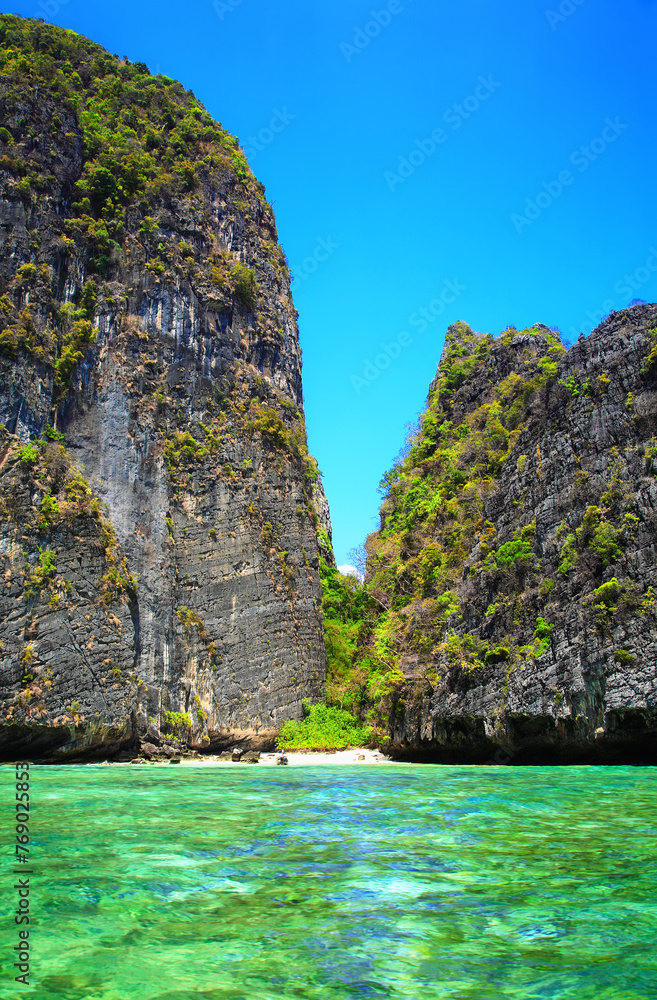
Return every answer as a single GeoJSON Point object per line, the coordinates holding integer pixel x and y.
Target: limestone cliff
{"type": "Point", "coordinates": [512, 605]}
{"type": "Point", "coordinates": [158, 528]}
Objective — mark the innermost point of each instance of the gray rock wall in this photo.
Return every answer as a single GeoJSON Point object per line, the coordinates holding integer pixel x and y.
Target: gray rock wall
{"type": "Point", "coordinates": [591, 695]}
{"type": "Point", "coordinates": [185, 418]}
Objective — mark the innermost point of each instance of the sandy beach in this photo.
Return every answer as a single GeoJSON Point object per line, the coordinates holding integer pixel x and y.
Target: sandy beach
{"type": "Point", "coordinates": [296, 758]}
{"type": "Point", "coordinates": [302, 758]}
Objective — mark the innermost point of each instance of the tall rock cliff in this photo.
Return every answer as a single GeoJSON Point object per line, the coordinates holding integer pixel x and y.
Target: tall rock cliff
{"type": "Point", "coordinates": [158, 527]}
{"type": "Point", "coordinates": [512, 610]}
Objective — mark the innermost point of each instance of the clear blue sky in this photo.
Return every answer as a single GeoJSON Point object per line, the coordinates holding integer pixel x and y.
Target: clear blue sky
{"type": "Point", "coordinates": [511, 92]}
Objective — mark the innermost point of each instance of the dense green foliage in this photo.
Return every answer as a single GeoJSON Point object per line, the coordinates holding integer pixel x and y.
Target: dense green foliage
{"type": "Point", "coordinates": [348, 610]}
{"type": "Point", "coordinates": [323, 728]}
{"type": "Point", "coordinates": [179, 723]}
{"type": "Point", "coordinates": [145, 138]}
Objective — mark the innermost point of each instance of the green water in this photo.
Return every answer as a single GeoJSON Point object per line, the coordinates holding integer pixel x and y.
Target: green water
{"type": "Point", "coordinates": [241, 883]}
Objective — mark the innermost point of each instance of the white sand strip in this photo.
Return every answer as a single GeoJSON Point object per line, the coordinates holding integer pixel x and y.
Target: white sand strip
{"type": "Point", "coordinates": [295, 758]}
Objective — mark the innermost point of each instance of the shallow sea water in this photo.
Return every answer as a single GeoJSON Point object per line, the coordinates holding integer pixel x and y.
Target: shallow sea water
{"type": "Point", "coordinates": [427, 882]}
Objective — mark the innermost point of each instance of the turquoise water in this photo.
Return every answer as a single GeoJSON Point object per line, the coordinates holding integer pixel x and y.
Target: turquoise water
{"type": "Point", "coordinates": [241, 883]}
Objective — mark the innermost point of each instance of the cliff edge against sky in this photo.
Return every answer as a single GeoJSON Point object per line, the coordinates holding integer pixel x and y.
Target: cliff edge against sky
{"type": "Point", "coordinates": [158, 532]}
{"type": "Point", "coordinates": [509, 608]}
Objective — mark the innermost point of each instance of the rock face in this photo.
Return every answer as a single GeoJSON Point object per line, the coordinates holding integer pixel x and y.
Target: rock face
{"type": "Point", "coordinates": [158, 528]}
{"type": "Point", "coordinates": [516, 556]}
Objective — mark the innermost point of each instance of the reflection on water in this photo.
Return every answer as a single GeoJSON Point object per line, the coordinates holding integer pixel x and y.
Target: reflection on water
{"type": "Point", "coordinates": [339, 883]}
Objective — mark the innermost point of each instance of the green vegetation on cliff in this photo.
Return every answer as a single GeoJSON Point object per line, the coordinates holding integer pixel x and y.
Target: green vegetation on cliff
{"type": "Point", "coordinates": [130, 150]}
{"type": "Point", "coordinates": [460, 581]}
{"type": "Point", "coordinates": [145, 138]}
{"type": "Point", "coordinates": [61, 501]}
{"type": "Point", "coordinates": [431, 518]}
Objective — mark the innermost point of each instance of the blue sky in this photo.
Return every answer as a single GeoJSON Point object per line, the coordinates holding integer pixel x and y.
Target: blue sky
{"type": "Point", "coordinates": [427, 161]}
